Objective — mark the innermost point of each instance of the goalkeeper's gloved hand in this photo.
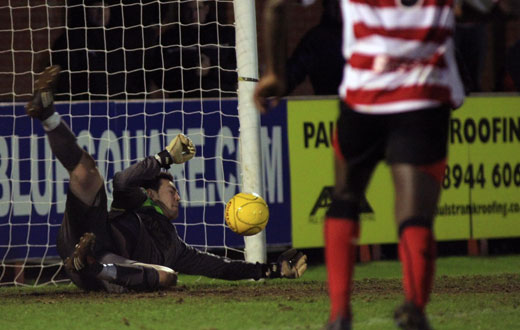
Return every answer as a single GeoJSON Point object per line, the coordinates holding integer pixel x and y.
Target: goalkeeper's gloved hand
{"type": "Point", "coordinates": [180, 150]}
{"type": "Point", "coordinates": [290, 264]}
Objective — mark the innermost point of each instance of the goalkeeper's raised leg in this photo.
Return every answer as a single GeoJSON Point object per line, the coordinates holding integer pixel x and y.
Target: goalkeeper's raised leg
{"type": "Point", "coordinates": [85, 179]}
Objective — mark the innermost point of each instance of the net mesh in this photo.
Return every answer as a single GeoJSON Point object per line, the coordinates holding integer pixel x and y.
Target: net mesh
{"type": "Point", "coordinates": [134, 74]}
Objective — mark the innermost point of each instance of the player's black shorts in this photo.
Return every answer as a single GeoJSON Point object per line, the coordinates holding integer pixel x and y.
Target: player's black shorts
{"type": "Point", "coordinates": [415, 137]}
{"type": "Point", "coordinates": [79, 219]}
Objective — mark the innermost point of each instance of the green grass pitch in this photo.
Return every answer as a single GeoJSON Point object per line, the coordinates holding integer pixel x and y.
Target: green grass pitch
{"type": "Point", "coordinates": [469, 293]}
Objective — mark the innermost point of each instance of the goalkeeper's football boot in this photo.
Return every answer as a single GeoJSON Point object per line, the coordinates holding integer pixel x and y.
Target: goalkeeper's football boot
{"type": "Point", "coordinates": [42, 104]}
{"type": "Point", "coordinates": [409, 317]}
{"type": "Point", "coordinates": [83, 256]}
{"type": "Point", "coordinates": [341, 323]}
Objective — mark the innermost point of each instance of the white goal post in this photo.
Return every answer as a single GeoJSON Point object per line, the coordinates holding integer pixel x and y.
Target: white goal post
{"type": "Point", "coordinates": [134, 74]}
{"type": "Point", "coordinates": [247, 61]}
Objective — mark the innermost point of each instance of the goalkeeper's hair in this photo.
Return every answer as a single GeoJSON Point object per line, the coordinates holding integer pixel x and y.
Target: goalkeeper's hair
{"type": "Point", "coordinates": [155, 183]}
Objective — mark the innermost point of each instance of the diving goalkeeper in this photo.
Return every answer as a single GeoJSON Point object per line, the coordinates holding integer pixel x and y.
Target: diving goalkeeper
{"type": "Point", "coordinates": [131, 247]}
{"type": "Point", "coordinates": [86, 213]}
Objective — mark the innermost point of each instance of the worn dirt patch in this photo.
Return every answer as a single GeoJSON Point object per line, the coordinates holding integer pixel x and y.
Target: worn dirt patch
{"type": "Point", "coordinates": [288, 290]}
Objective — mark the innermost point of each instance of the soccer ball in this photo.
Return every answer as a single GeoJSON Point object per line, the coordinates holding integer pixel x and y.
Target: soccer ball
{"type": "Point", "coordinates": [246, 214]}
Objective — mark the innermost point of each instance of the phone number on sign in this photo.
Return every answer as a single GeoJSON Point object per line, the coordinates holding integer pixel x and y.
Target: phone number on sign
{"type": "Point", "coordinates": [502, 175]}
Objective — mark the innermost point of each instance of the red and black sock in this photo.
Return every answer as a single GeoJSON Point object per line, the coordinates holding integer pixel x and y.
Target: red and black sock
{"type": "Point", "coordinates": [417, 251]}
{"type": "Point", "coordinates": [340, 255]}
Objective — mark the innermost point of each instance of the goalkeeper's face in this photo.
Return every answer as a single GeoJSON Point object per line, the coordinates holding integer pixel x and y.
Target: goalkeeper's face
{"type": "Point", "coordinates": [168, 198]}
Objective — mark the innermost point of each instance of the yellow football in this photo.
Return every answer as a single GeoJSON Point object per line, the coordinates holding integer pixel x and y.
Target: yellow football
{"type": "Point", "coordinates": [246, 214]}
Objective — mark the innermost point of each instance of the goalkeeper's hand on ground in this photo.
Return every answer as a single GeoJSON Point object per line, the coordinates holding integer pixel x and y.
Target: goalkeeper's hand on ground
{"type": "Point", "coordinates": [180, 150]}
{"type": "Point", "coordinates": [290, 264]}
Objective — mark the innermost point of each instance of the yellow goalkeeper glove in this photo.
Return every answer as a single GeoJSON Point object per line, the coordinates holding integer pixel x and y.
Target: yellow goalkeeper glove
{"type": "Point", "coordinates": [180, 150]}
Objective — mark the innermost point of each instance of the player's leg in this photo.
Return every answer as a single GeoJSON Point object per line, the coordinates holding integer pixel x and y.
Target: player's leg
{"type": "Point", "coordinates": [417, 194]}
{"type": "Point", "coordinates": [418, 138]}
{"type": "Point", "coordinates": [341, 233]}
{"type": "Point", "coordinates": [357, 152]}
{"type": "Point", "coordinates": [134, 275]}
{"type": "Point", "coordinates": [166, 276]}
{"type": "Point", "coordinates": [85, 180]}
{"type": "Point", "coordinates": [86, 209]}
{"type": "Point", "coordinates": [117, 270]}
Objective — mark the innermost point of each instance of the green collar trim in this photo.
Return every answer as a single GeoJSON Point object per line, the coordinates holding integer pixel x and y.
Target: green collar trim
{"type": "Point", "coordinates": [151, 203]}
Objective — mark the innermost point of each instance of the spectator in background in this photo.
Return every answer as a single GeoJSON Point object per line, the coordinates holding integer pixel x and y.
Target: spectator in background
{"type": "Point", "coordinates": [513, 64]}
{"type": "Point", "coordinates": [198, 55]}
{"type": "Point", "coordinates": [504, 62]}
{"type": "Point", "coordinates": [136, 24]}
{"type": "Point", "coordinates": [318, 54]}
{"type": "Point", "coordinates": [472, 17]}
{"type": "Point", "coordinates": [89, 54]}
{"type": "Point", "coordinates": [103, 52]}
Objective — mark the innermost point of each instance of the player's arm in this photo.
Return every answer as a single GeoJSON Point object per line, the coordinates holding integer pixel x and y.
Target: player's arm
{"type": "Point", "coordinates": [299, 64]}
{"type": "Point", "coordinates": [273, 83]}
{"type": "Point", "coordinates": [188, 260]}
{"type": "Point", "coordinates": [127, 192]}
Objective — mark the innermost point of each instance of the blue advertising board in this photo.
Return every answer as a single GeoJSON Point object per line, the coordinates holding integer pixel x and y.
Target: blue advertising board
{"type": "Point", "coordinates": [33, 184]}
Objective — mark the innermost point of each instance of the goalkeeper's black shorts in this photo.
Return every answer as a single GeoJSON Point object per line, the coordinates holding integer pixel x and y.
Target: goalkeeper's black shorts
{"type": "Point", "coordinates": [79, 219]}
{"type": "Point", "coordinates": [416, 137]}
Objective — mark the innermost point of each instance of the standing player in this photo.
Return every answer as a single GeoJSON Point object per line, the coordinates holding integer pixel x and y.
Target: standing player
{"type": "Point", "coordinates": [399, 86]}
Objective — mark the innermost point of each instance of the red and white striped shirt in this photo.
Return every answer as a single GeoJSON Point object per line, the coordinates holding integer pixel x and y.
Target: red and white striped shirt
{"type": "Point", "coordinates": [399, 57]}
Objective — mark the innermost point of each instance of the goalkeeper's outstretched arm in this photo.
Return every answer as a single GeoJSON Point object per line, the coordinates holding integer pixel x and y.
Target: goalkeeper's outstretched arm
{"type": "Point", "coordinates": [188, 260]}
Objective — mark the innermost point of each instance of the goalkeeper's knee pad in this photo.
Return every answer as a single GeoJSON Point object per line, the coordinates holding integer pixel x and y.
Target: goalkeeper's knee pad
{"type": "Point", "coordinates": [137, 277]}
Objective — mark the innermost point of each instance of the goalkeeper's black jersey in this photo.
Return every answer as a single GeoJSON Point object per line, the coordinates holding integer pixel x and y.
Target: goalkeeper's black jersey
{"type": "Point", "coordinates": [144, 235]}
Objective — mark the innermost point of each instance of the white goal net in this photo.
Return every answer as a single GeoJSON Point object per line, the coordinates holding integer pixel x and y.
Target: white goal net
{"type": "Point", "coordinates": [134, 74]}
